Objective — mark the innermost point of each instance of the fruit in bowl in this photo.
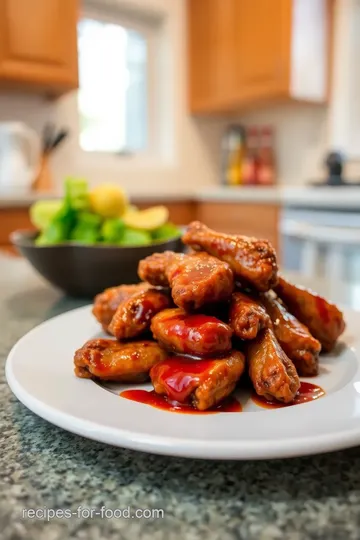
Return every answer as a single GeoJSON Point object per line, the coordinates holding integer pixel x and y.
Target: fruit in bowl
{"type": "Point", "coordinates": [83, 247]}
{"type": "Point", "coordinates": [100, 216]}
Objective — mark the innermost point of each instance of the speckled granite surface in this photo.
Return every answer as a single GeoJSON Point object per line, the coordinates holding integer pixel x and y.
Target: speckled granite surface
{"type": "Point", "coordinates": [41, 465]}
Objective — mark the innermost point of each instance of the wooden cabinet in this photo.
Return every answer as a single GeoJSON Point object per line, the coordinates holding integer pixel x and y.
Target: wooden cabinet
{"type": "Point", "coordinates": [38, 44]}
{"type": "Point", "coordinates": [180, 212]}
{"type": "Point", "coordinates": [245, 52]}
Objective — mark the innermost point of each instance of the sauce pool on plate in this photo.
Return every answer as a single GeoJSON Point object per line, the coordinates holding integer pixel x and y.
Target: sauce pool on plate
{"type": "Point", "coordinates": [308, 392]}
{"type": "Point", "coordinates": [149, 397]}
{"type": "Point", "coordinates": [181, 375]}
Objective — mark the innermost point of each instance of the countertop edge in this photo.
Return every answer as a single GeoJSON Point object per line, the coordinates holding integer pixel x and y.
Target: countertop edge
{"type": "Point", "coordinates": [311, 197]}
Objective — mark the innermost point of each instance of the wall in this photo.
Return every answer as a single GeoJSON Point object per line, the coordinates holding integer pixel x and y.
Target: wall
{"type": "Point", "coordinates": [303, 133]}
{"type": "Point", "coordinates": [300, 139]}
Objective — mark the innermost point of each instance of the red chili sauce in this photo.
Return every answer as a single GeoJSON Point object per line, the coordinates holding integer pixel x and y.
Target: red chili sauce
{"type": "Point", "coordinates": [149, 397]}
{"type": "Point", "coordinates": [307, 392]}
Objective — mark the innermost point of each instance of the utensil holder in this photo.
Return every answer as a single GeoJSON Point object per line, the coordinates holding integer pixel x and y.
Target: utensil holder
{"type": "Point", "coordinates": [43, 181]}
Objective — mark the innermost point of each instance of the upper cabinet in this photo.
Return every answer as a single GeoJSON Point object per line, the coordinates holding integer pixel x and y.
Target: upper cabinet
{"type": "Point", "coordinates": [246, 52]}
{"type": "Point", "coordinates": [38, 45]}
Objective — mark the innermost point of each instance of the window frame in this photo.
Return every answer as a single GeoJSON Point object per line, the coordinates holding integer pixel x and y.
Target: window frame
{"type": "Point", "coordinates": [148, 27]}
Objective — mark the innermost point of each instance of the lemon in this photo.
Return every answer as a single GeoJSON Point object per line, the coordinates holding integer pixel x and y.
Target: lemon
{"type": "Point", "coordinates": [130, 209]}
{"type": "Point", "coordinates": [108, 200]}
{"type": "Point", "coordinates": [149, 219]}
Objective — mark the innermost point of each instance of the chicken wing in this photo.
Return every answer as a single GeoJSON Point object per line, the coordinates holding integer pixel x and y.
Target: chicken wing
{"type": "Point", "coordinates": [154, 268]}
{"type": "Point", "coordinates": [110, 360]}
{"type": "Point", "coordinates": [294, 338]}
{"type": "Point", "coordinates": [195, 279]}
{"type": "Point", "coordinates": [247, 316]}
{"type": "Point", "coordinates": [272, 373]}
{"type": "Point", "coordinates": [201, 383]}
{"type": "Point", "coordinates": [323, 319]}
{"type": "Point", "coordinates": [106, 303]}
{"type": "Point", "coordinates": [199, 279]}
{"type": "Point", "coordinates": [133, 316]}
{"type": "Point", "coordinates": [198, 335]}
{"type": "Point", "coordinates": [252, 261]}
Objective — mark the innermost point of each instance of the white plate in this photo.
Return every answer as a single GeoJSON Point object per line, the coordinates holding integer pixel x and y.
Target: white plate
{"type": "Point", "coordinates": [39, 371]}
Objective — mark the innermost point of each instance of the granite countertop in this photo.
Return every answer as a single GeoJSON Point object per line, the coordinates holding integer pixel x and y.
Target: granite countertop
{"type": "Point", "coordinates": [42, 465]}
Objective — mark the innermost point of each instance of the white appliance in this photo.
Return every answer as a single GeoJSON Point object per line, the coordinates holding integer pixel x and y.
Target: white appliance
{"type": "Point", "coordinates": [20, 150]}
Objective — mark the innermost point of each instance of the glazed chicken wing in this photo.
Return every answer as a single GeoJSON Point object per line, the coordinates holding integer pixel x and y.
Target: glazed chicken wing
{"type": "Point", "coordinates": [252, 261]}
{"type": "Point", "coordinates": [294, 338]}
{"type": "Point", "coordinates": [110, 360]}
{"type": "Point", "coordinates": [272, 373]}
{"type": "Point", "coordinates": [106, 303]}
{"type": "Point", "coordinates": [154, 268]}
{"type": "Point", "coordinates": [195, 279]}
{"type": "Point", "coordinates": [133, 316]}
{"type": "Point", "coordinates": [323, 319]}
{"type": "Point", "coordinates": [247, 316]}
{"type": "Point", "coordinates": [200, 279]}
{"type": "Point", "coordinates": [201, 383]}
{"type": "Point", "coordinates": [199, 335]}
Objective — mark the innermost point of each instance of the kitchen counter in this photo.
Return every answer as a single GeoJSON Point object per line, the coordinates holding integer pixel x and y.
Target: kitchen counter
{"type": "Point", "coordinates": [340, 198]}
{"type": "Point", "coordinates": [23, 200]}
{"type": "Point", "coordinates": [42, 465]}
{"type": "Point", "coordinates": [26, 199]}
{"type": "Point", "coordinates": [325, 197]}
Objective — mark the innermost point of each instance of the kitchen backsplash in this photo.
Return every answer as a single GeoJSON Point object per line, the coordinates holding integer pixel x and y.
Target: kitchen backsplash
{"type": "Point", "coordinates": [300, 145]}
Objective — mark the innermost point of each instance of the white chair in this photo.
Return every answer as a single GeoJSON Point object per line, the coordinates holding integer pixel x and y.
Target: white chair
{"type": "Point", "coordinates": [336, 240]}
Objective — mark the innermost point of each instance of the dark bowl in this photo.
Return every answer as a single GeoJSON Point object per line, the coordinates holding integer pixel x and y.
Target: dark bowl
{"type": "Point", "coordinates": [85, 271]}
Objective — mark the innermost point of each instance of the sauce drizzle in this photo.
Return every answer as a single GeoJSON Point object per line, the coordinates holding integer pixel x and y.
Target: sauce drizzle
{"type": "Point", "coordinates": [307, 392]}
{"type": "Point", "coordinates": [180, 375]}
{"type": "Point", "coordinates": [149, 397]}
{"type": "Point", "coordinates": [192, 330]}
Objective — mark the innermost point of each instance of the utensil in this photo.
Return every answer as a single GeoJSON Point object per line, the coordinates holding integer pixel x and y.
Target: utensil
{"type": "Point", "coordinates": [61, 135]}
{"type": "Point", "coordinates": [51, 139]}
{"type": "Point", "coordinates": [48, 136]}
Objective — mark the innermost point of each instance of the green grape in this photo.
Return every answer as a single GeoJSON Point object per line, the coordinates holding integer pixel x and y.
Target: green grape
{"type": "Point", "coordinates": [77, 194]}
{"type": "Point", "coordinates": [112, 230]}
{"type": "Point", "coordinates": [166, 232]}
{"type": "Point", "coordinates": [132, 237]}
{"type": "Point", "coordinates": [87, 228]}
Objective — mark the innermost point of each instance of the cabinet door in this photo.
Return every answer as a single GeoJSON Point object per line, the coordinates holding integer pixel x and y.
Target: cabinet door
{"type": "Point", "coordinates": [201, 53]}
{"type": "Point", "coordinates": [211, 48]}
{"type": "Point", "coordinates": [224, 55]}
{"type": "Point", "coordinates": [263, 48]}
{"type": "Point", "coordinates": [38, 43]}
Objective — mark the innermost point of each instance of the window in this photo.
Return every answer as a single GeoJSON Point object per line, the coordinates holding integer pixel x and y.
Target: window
{"type": "Point", "coordinates": [114, 96]}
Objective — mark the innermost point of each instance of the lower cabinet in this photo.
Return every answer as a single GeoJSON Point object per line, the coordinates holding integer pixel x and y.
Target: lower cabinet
{"type": "Point", "coordinates": [260, 220]}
